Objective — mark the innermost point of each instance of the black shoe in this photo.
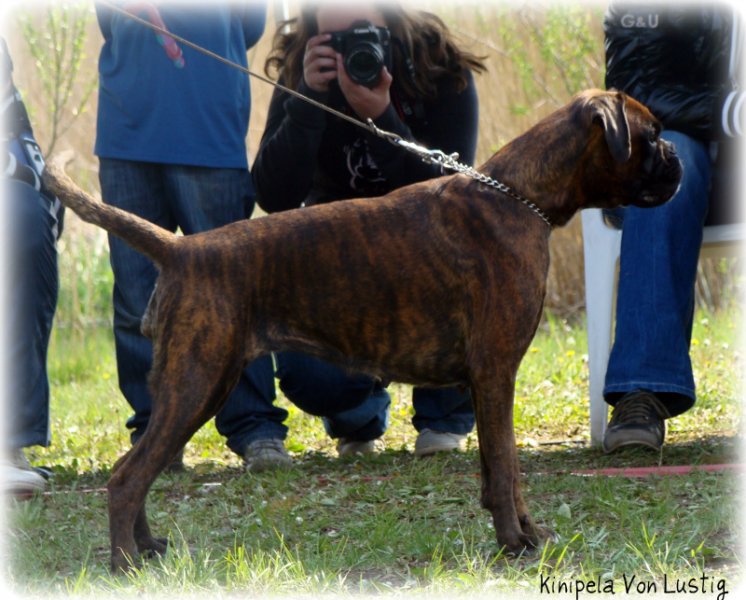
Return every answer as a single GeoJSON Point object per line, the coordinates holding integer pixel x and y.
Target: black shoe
{"type": "Point", "coordinates": [638, 419]}
{"type": "Point", "coordinates": [266, 455]}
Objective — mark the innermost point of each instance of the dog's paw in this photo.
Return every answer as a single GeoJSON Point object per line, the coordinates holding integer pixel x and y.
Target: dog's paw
{"type": "Point", "coordinates": [152, 547]}
{"type": "Point", "coordinates": [524, 543]}
{"type": "Point", "coordinates": [545, 534]}
{"type": "Point", "coordinates": [121, 564]}
{"type": "Point", "coordinates": [535, 532]}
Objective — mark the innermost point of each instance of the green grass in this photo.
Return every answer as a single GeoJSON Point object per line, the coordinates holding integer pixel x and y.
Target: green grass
{"type": "Point", "coordinates": [389, 523]}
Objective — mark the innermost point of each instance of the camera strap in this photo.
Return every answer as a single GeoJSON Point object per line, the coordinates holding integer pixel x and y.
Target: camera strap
{"type": "Point", "coordinates": [435, 157]}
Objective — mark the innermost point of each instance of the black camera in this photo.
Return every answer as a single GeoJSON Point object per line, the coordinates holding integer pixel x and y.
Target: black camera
{"type": "Point", "coordinates": [366, 49]}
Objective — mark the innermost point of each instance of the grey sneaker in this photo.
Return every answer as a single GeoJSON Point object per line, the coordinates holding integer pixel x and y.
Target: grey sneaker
{"type": "Point", "coordinates": [265, 455]}
{"type": "Point", "coordinates": [430, 442]}
{"type": "Point", "coordinates": [17, 476]}
{"type": "Point", "coordinates": [347, 447]}
{"type": "Point", "coordinates": [638, 419]}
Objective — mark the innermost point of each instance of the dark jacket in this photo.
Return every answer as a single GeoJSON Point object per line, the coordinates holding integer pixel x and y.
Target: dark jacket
{"type": "Point", "coordinates": [675, 59]}
{"type": "Point", "coordinates": [21, 158]}
{"type": "Point", "coordinates": [308, 156]}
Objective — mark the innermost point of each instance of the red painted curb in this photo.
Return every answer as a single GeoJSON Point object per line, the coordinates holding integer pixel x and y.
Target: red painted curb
{"type": "Point", "coordinates": [662, 470]}
{"type": "Point", "coordinates": [608, 472]}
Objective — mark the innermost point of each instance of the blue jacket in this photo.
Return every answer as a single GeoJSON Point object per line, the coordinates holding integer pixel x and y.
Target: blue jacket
{"type": "Point", "coordinates": [152, 109]}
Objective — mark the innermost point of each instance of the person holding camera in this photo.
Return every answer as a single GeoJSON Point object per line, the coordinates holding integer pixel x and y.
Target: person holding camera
{"type": "Point", "coordinates": [403, 71]}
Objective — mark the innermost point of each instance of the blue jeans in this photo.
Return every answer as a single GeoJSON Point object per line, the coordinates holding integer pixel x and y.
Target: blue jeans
{"type": "Point", "coordinates": [31, 300]}
{"type": "Point", "coordinates": [193, 199]}
{"type": "Point", "coordinates": [355, 406]}
{"type": "Point", "coordinates": [655, 299]}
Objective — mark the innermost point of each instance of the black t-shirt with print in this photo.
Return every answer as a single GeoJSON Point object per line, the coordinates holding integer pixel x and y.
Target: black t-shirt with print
{"type": "Point", "coordinates": [308, 156]}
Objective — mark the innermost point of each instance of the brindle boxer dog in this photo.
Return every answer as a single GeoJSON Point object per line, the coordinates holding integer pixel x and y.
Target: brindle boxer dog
{"type": "Point", "coordinates": [435, 284]}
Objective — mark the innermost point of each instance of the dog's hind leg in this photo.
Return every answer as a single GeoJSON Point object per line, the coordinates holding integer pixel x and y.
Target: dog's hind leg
{"type": "Point", "coordinates": [127, 488]}
{"type": "Point", "coordinates": [145, 543]}
{"type": "Point", "coordinates": [190, 384]}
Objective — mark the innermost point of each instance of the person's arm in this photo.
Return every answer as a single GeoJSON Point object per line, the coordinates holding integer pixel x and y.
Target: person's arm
{"type": "Point", "coordinates": [103, 16]}
{"type": "Point", "coordinates": [253, 21]}
{"type": "Point", "coordinates": [287, 157]}
{"type": "Point", "coordinates": [451, 126]}
{"type": "Point", "coordinates": [288, 153]}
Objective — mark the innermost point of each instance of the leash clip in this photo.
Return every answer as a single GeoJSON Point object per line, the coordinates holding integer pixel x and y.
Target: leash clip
{"type": "Point", "coordinates": [436, 157]}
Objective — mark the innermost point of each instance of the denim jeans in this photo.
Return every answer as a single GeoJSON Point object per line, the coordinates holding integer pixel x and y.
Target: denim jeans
{"type": "Point", "coordinates": [655, 299]}
{"type": "Point", "coordinates": [192, 199]}
{"type": "Point", "coordinates": [31, 299]}
{"type": "Point", "coordinates": [355, 406]}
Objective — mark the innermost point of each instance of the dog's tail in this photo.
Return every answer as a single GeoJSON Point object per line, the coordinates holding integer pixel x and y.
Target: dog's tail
{"type": "Point", "coordinates": [154, 242]}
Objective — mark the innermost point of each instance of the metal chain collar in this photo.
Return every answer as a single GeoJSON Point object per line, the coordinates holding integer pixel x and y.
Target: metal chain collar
{"type": "Point", "coordinates": [436, 157]}
{"type": "Point", "coordinates": [450, 161]}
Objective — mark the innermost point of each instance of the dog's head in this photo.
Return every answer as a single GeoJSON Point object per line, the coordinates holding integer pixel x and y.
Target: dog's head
{"type": "Point", "coordinates": [636, 167]}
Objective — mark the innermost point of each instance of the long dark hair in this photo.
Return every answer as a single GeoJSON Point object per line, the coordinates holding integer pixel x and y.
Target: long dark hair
{"type": "Point", "coordinates": [421, 35]}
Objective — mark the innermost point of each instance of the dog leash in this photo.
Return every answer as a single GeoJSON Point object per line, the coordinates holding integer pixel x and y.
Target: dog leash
{"type": "Point", "coordinates": [435, 157]}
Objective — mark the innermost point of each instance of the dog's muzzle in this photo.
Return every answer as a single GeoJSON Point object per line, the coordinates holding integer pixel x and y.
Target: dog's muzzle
{"type": "Point", "coordinates": [663, 171]}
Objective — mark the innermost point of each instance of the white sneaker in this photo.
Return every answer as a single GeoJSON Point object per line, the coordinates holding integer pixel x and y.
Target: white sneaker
{"type": "Point", "coordinates": [430, 442]}
{"type": "Point", "coordinates": [17, 476]}
{"type": "Point", "coordinates": [347, 447]}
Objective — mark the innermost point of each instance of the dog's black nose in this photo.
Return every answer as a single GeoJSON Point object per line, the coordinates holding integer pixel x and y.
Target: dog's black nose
{"type": "Point", "coordinates": [669, 148]}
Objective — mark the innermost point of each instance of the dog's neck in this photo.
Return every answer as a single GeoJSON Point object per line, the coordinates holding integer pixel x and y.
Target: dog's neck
{"type": "Point", "coordinates": [542, 165]}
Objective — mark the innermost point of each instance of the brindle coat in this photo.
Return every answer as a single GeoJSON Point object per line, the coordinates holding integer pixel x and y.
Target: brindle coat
{"type": "Point", "coordinates": [438, 283]}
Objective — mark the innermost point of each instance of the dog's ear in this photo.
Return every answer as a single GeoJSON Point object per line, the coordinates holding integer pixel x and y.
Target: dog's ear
{"type": "Point", "coordinates": [610, 110]}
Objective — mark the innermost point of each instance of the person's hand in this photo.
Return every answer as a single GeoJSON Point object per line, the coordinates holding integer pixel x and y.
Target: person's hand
{"type": "Point", "coordinates": [366, 102]}
{"type": "Point", "coordinates": [319, 63]}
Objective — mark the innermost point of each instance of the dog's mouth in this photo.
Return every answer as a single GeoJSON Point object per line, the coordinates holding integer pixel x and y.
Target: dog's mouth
{"type": "Point", "coordinates": [662, 179]}
{"type": "Point", "coordinates": [656, 197]}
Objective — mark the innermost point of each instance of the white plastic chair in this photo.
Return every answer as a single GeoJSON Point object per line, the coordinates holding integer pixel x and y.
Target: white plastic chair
{"type": "Point", "coordinates": [601, 248]}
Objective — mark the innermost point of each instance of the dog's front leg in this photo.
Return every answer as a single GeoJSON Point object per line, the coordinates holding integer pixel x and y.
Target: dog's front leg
{"type": "Point", "coordinates": [528, 525]}
{"type": "Point", "coordinates": [493, 391]}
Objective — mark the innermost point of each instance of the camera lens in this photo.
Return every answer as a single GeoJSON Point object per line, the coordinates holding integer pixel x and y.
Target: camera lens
{"type": "Point", "coordinates": [364, 63]}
